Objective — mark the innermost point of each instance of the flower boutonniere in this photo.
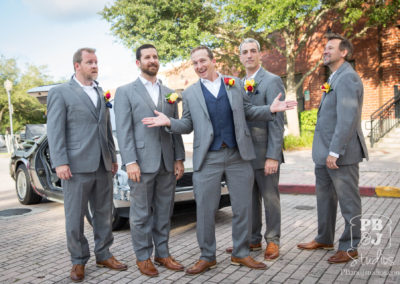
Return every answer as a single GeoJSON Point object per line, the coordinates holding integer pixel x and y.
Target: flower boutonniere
{"type": "Point", "coordinates": [250, 86]}
{"type": "Point", "coordinates": [171, 98]}
{"type": "Point", "coordinates": [326, 88]}
{"type": "Point", "coordinates": [229, 82]}
{"type": "Point", "coordinates": [107, 97]}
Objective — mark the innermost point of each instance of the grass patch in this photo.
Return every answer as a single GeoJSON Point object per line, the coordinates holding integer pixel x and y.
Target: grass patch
{"type": "Point", "coordinates": [304, 141]}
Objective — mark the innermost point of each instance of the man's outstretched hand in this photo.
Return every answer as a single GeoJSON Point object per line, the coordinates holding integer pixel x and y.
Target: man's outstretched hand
{"type": "Point", "coordinates": [278, 106]}
{"type": "Point", "coordinates": [159, 120]}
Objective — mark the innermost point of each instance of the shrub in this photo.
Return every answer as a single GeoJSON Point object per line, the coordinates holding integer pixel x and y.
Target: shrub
{"type": "Point", "coordinates": [308, 120]}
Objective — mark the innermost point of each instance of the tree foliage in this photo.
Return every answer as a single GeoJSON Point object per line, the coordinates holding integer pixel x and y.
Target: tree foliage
{"type": "Point", "coordinates": [176, 26]}
{"type": "Point", "coordinates": [27, 110]}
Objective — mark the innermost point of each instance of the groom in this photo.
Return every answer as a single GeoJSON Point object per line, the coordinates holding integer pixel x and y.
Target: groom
{"type": "Point", "coordinates": [216, 108]}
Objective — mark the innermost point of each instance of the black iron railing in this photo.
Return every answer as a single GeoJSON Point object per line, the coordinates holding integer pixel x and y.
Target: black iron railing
{"type": "Point", "coordinates": [385, 118]}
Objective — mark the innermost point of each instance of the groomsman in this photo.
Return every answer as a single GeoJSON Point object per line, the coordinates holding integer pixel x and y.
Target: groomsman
{"type": "Point", "coordinates": [153, 159]}
{"type": "Point", "coordinates": [338, 148]}
{"type": "Point", "coordinates": [263, 87]}
{"type": "Point", "coordinates": [83, 154]}
{"type": "Point", "coordinates": [216, 108]}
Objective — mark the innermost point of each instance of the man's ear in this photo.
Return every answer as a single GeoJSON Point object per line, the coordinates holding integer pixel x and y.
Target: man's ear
{"type": "Point", "coordinates": [138, 63]}
{"type": "Point", "coordinates": [344, 53]}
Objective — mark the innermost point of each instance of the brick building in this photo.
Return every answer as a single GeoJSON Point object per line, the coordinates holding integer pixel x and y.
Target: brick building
{"type": "Point", "coordinates": [376, 59]}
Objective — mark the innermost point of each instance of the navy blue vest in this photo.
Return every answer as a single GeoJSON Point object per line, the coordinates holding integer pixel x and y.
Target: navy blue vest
{"type": "Point", "coordinates": [221, 117]}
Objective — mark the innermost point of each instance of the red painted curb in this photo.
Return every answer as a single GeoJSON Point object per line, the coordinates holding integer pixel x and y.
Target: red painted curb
{"type": "Point", "coordinates": [310, 189]}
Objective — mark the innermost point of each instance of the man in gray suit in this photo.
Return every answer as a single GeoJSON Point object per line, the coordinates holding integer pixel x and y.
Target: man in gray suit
{"type": "Point", "coordinates": [263, 87]}
{"type": "Point", "coordinates": [83, 154]}
{"type": "Point", "coordinates": [338, 148]}
{"type": "Point", "coordinates": [153, 160]}
{"type": "Point", "coordinates": [215, 108]}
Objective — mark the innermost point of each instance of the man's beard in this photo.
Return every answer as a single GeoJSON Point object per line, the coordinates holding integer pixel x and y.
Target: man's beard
{"type": "Point", "coordinates": [91, 77]}
{"type": "Point", "coordinates": [149, 72]}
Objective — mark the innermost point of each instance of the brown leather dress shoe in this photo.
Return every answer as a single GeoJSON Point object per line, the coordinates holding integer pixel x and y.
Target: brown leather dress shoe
{"type": "Point", "coordinates": [201, 266]}
{"type": "Point", "coordinates": [169, 263]}
{"type": "Point", "coordinates": [314, 245]}
{"type": "Point", "coordinates": [272, 251]}
{"type": "Point", "coordinates": [147, 267]}
{"type": "Point", "coordinates": [77, 272]}
{"type": "Point", "coordinates": [112, 263]}
{"type": "Point", "coordinates": [343, 256]}
{"type": "Point", "coordinates": [253, 247]}
{"type": "Point", "coordinates": [248, 261]}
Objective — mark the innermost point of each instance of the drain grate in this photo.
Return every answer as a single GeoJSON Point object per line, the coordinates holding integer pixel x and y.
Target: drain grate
{"type": "Point", "coordinates": [14, 212]}
{"type": "Point", "coordinates": [304, 207]}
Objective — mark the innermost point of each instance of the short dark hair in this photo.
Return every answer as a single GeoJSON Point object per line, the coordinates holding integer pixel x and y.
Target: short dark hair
{"type": "Point", "coordinates": [344, 44]}
{"type": "Point", "coordinates": [77, 58]}
{"type": "Point", "coordinates": [209, 52]}
{"type": "Point", "coordinates": [249, 40]}
{"type": "Point", "coordinates": [140, 48]}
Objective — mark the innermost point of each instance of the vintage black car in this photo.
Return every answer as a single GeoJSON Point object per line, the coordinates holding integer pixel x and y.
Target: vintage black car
{"type": "Point", "coordinates": [35, 178]}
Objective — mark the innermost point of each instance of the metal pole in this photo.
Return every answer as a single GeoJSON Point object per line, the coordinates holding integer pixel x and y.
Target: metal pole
{"type": "Point", "coordinates": [10, 110]}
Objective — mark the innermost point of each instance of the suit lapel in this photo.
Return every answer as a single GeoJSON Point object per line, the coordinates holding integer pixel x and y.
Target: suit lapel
{"type": "Point", "coordinates": [83, 97]}
{"type": "Point", "coordinates": [344, 66]}
{"type": "Point", "coordinates": [228, 91]}
{"type": "Point", "coordinates": [163, 92]}
{"type": "Point", "coordinates": [100, 102]}
{"type": "Point", "coordinates": [142, 92]}
{"type": "Point", "coordinates": [259, 76]}
{"type": "Point", "coordinates": [198, 93]}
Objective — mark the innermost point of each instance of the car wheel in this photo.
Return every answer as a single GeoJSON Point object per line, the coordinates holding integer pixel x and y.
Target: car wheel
{"type": "Point", "coordinates": [117, 221]}
{"type": "Point", "coordinates": [25, 193]}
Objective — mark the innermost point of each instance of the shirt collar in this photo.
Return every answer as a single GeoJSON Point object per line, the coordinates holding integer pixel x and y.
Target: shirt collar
{"type": "Point", "coordinates": [254, 75]}
{"type": "Point", "coordinates": [94, 83]}
{"type": "Point", "coordinates": [147, 82]}
{"type": "Point", "coordinates": [211, 82]}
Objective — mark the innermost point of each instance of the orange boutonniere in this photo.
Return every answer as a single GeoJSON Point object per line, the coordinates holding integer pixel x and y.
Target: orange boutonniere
{"type": "Point", "coordinates": [107, 97]}
{"type": "Point", "coordinates": [250, 85]}
{"type": "Point", "coordinates": [171, 98]}
{"type": "Point", "coordinates": [326, 88]}
{"type": "Point", "coordinates": [229, 81]}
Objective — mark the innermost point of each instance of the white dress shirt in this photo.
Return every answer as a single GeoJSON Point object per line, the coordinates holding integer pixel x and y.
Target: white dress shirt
{"type": "Point", "coordinates": [90, 91]}
{"type": "Point", "coordinates": [254, 75]}
{"type": "Point", "coordinates": [152, 88]}
{"type": "Point", "coordinates": [212, 86]}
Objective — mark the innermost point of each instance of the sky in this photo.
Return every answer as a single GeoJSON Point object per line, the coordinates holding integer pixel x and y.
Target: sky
{"type": "Point", "coordinates": [48, 32]}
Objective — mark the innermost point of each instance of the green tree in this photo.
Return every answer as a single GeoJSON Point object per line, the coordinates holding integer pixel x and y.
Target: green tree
{"type": "Point", "coordinates": [27, 110]}
{"type": "Point", "coordinates": [175, 26]}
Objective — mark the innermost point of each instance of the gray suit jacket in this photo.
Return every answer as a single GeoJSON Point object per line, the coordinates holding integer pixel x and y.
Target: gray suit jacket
{"type": "Point", "coordinates": [140, 143]}
{"type": "Point", "coordinates": [267, 136]}
{"type": "Point", "coordinates": [78, 135]}
{"type": "Point", "coordinates": [338, 126]}
{"type": "Point", "coordinates": [195, 117]}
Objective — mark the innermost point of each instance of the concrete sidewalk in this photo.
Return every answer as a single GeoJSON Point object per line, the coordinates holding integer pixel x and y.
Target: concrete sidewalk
{"type": "Point", "coordinates": [382, 171]}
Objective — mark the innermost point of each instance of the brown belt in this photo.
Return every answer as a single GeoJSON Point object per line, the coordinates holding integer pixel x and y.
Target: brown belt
{"type": "Point", "coordinates": [224, 145]}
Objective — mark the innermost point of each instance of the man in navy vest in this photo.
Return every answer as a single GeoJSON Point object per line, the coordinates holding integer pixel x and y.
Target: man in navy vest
{"type": "Point", "coordinates": [216, 108]}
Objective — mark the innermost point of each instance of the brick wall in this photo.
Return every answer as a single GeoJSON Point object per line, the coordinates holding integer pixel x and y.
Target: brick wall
{"type": "Point", "coordinates": [366, 59]}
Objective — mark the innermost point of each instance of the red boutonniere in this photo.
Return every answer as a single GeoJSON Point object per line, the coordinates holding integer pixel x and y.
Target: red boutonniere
{"type": "Point", "coordinates": [229, 81]}
{"type": "Point", "coordinates": [171, 98]}
{"type": "Point", "coordinates": [250, 86]}
{"type": "Point", "coordinates": [326, 88]}
{"type": "Point", "coordinates": [107, 97]}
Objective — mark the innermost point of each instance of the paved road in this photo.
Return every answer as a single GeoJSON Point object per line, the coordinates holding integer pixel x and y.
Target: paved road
{"type": "Point", "coordinates": [33, 246]}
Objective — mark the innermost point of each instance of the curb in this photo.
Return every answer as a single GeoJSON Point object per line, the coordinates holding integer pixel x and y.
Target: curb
{"type": "Point", "coordinates": [379, 191]}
